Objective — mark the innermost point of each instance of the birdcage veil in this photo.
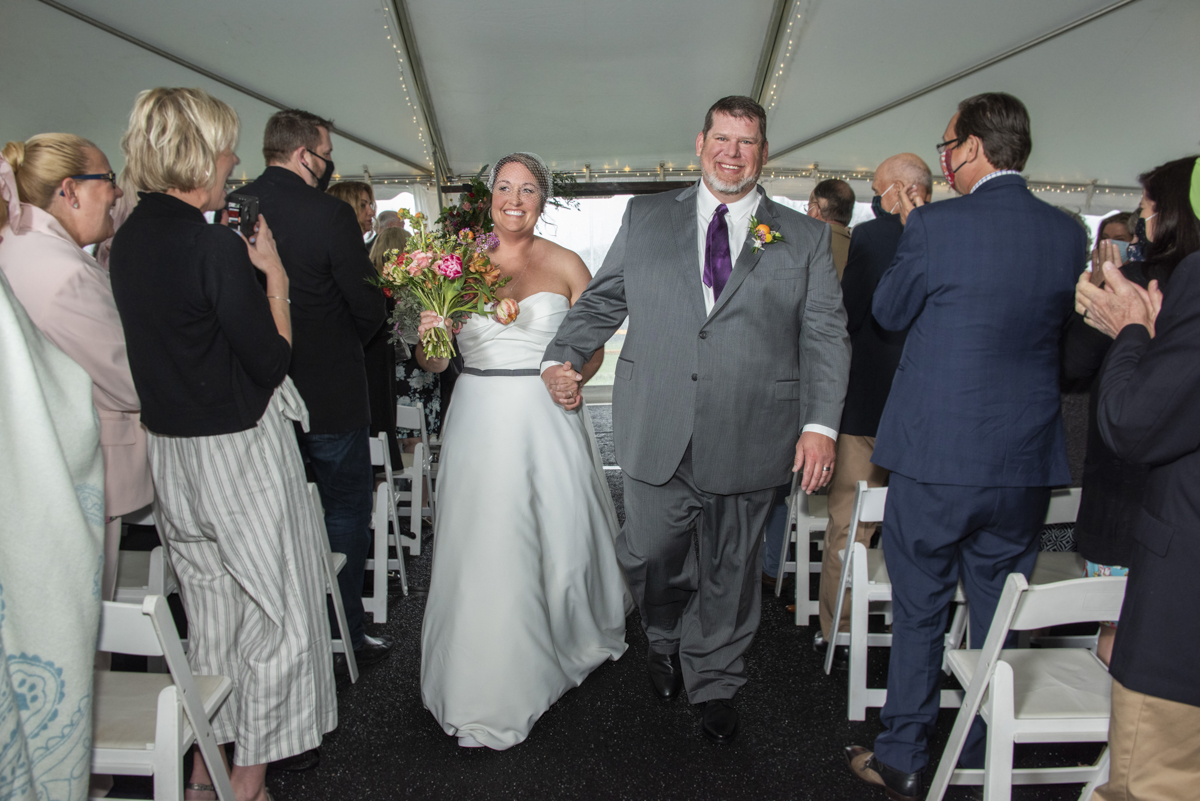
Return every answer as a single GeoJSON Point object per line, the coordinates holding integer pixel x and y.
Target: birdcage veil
{"type": "Point", "coordinates": [531, 162]}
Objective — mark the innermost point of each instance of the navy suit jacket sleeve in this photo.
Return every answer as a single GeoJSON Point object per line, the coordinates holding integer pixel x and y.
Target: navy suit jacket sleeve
{"type": "Point", "coordinates": [1147, 407]}
{"type": "Point", "coordinates": [902, 290]}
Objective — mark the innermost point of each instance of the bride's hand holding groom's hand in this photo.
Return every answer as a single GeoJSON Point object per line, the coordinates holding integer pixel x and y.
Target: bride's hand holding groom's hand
{"type": "Point", "coordinates": [562, 382]}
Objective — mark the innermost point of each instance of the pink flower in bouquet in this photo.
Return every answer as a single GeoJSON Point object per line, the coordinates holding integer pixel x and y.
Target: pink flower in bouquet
{"type": "Point", "coordinates": [414, 267]}
{"type": "Point", "coordinates": [466, 206]}
{"type": "Point", "coordinates": [421, 259]}
{"type": "Point", "coordinates": [451, 266]}
{"type": "Point", "coordinates": [506, 311]}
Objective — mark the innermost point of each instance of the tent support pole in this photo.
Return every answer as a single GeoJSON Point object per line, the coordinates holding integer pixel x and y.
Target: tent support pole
{"type": "Point", "coordinates": [955, 77]}
{"type": "Point", "coordinates": [212, 76]}
{"type": "Point", "coordinates": [421, 88]}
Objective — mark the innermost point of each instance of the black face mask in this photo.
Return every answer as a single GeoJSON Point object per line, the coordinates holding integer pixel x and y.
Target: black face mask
{"type": "Point", "coordinates": [877, 207]}
{"type": "Point", "coordinates": [323, 178]}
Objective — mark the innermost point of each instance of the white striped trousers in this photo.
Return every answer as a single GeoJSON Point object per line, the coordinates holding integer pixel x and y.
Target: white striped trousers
{"type": "Point", "coordinates": [243, 539]}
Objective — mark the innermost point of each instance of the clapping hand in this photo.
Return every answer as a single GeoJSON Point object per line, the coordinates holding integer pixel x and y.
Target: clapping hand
{"type": "Point", "coordinates": [1106, 252]}
{"type": "Point", "coordinates": [562, 382]}
{"type": "Point", "coordinates": [1119, 303]}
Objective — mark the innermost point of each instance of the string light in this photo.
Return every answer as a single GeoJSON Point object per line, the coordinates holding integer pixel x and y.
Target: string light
{"type": "Point", "coordinates": [387, 28]}
{"type": "Point", "coordinates": [785, 59]}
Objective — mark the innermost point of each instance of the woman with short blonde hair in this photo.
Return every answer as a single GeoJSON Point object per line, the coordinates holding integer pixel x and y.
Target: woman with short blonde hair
{"type": "Point", "coordinates": [67, 191]}
{"type": "Point", "coordinates": [210, 350]}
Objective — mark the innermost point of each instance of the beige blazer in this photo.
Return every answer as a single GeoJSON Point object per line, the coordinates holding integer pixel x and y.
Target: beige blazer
{"type": "Point", "coordinates": [69, 298]}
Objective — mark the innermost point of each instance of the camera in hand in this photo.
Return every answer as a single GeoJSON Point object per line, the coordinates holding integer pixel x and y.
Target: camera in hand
{"type": "Point", "coordinates": [243, 213]}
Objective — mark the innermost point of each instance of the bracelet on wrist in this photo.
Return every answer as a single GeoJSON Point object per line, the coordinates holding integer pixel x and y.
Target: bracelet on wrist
{"type": "Point", "coordinates": [280, 297]}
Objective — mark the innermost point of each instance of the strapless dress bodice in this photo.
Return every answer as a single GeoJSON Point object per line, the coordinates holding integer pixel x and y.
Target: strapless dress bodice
{"type": "Point", "coordinates": [487, 345]}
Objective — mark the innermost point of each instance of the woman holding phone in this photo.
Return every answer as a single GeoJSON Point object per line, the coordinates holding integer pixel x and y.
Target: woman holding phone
{"type": "Point", "coordinates": [1168, 230]}
{"type": "Point", "coordinates": [209, 351]}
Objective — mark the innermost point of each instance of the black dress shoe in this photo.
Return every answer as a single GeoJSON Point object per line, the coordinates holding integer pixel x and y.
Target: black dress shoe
{"type": "Point", "coordinates": [666, 674]}
{"type": "Point", "coordinates": [306, 760]}
{"type": "Point", "coordinates": [373, 650]}
{"type": "Point", "coordinates": [720, 722]}
{"type": "Point", "coordinates": [769, 582]}
{"type": "Point", "coordinates": [898, 786]}
{"type": "Point", "coordinates": [841, 653]}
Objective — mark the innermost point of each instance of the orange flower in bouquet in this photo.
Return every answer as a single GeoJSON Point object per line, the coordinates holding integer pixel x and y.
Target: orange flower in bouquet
{"type": "Point", "coordinates": [445, 273]}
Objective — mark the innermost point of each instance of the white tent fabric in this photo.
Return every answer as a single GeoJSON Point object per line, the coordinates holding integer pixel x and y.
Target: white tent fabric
{"type": "Point", "coordinates": [620, 85]}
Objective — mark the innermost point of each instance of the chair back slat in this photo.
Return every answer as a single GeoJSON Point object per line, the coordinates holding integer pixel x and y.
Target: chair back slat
{"type": "Point", "coordinates": [124, 629]}
{"type": "Point", "coordinates": [869, 503]}
{"type": "Point", "coordinates": [1082, 600]}
{"type": "Point", "coordinates": [378, 449]}
{"type": "Point", "coordinates": [410, 417]}
{"type": "Point", "coordinates": [1064, 506]}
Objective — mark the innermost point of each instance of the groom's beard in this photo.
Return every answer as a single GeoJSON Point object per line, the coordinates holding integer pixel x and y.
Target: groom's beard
{"type": "Point", "coordinates": [726, 187]}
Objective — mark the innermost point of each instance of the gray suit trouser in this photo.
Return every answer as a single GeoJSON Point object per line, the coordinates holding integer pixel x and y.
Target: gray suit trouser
{"type": "Point", "coordinates": [692, 560]}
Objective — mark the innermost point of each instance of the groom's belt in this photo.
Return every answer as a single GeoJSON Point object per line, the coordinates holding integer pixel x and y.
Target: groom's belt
{"type": "Point", "coordinates": [493, 373]}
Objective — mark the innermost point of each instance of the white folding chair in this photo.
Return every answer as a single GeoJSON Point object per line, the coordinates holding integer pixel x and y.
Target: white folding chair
{"type": "Point", "coordinates": [334, 562]}
{"type": "Point", "coordinates": [142, 573]}
{"type": "Point", "coordinates": [144, 723]}
{"type": "Point", "coordinates": [412, 416]}
{"type": "Point", "coordinates": [865, 574]}
{"type": "Point", "coordinates": [808, 517]}
{"type": "Point", "coordinates": [416, 470]}
{"type": "Point", "coordinates": [1033, 695]}
{"type": "Point", "coordinates": [866, 570]}
{"type": "Point", "coordinates": [384, 524]}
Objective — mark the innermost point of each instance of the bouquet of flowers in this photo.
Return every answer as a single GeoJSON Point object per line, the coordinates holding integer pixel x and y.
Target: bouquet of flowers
{"type": "Point", "coordinates": [446, 273]}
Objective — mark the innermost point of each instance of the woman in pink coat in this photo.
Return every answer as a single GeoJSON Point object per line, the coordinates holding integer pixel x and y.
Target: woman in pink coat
{"type": "Point", "coordinates": [67, 190]}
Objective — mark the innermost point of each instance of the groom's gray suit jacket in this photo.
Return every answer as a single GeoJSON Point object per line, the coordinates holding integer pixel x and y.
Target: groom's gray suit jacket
{"type": "Point", "coordinates": [739, 383]}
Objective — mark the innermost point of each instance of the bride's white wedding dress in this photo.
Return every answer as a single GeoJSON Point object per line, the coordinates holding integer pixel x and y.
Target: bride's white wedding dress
{"type": "Point", "coordinates": [526, 595]}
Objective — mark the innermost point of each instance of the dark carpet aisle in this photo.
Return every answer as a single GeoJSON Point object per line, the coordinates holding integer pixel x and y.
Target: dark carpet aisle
{"type": "Point", "coordinates": [612, 738]}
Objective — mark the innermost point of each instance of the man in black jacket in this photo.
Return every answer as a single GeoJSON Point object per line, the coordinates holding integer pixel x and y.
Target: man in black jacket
{"type": "Point", "coordinates": [876, 353]}
{"type": "Point", "coordinates": [334, 312]}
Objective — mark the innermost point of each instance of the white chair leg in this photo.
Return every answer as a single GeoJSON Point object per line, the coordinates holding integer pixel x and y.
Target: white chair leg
{"type": "Point", "coordinates": [859, 616]}
{"type": "Point", "coordinates": [998, 763]}
{"type": "Point", "coordinates": [843, 582]}
{"type": "Point", "coordinates": [394, 536]}
{"type": "Point", "coordinates": [788, 533]}
{"type": "Point", "coordinates": [1102, 767]}
{"type": "Point", "coordinates": [168, 734]}
{"type": "Point", "coordinates": [340, 614]}
{"type": "Point", "coordinates": [954, 637]}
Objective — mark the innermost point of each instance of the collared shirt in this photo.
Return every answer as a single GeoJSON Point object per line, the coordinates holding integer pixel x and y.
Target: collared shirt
{"type": "Point", "coordinates": [737, 221]}
{"type": "Point", "coordinates": [990, 176]}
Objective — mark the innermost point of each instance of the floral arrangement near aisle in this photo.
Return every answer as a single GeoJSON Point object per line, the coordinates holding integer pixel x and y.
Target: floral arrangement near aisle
{"type": "Point", "coordinates": [446, 271]}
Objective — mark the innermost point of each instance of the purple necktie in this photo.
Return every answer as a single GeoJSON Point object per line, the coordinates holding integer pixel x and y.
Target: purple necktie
{"type": "Point", "coordinates": [717, 262]}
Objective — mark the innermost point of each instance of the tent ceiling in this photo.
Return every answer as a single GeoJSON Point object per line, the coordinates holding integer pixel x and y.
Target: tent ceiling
{"type": "Point", "coordinates": [623, 82]}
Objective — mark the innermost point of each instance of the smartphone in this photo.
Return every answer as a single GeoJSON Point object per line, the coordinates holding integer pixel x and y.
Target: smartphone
{"type": "Point", "coordinates": [243, 213]}
{"type": "Point", "coordinates": [1122, 248]}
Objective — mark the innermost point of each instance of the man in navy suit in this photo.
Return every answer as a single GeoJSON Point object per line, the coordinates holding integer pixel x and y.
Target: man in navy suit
{"type": "Point", "coordinates": [972, 431]}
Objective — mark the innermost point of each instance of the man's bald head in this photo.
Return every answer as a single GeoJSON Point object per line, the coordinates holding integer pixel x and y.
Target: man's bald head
{"type": "Point", "coordinates": [906, 169]}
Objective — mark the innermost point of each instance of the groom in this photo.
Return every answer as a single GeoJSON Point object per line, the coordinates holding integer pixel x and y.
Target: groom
{"type": "Point", "coordinates": [732, 374]}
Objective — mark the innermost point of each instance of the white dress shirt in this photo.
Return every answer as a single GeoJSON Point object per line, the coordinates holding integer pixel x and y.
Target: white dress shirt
{"type": "Point", "coordinates": [737, 220]}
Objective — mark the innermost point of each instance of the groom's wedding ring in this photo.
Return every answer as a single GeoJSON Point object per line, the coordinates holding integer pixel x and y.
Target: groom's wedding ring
{"type": "Point", "coordinates": [825, 469]}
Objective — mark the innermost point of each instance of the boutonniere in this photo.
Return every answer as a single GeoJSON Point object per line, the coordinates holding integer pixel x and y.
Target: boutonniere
{"type": "Point", "coordinates": [763, 234]}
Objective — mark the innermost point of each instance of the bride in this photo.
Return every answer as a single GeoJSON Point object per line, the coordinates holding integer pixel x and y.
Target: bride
{"type": "Point", "coordinates": [526, 596]}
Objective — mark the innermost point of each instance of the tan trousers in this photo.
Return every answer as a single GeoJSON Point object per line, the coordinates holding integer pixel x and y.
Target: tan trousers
{"type": "Point", "coordinates": [1155, 749]}
{"type": "Point", "coordinates": [853, 465]}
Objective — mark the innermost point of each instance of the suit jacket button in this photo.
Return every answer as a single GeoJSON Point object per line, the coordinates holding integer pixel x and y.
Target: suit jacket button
{"type": "Point", "coordinates": [704, 335]}
{"type": "Point", "coordinates": [695, 377]}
